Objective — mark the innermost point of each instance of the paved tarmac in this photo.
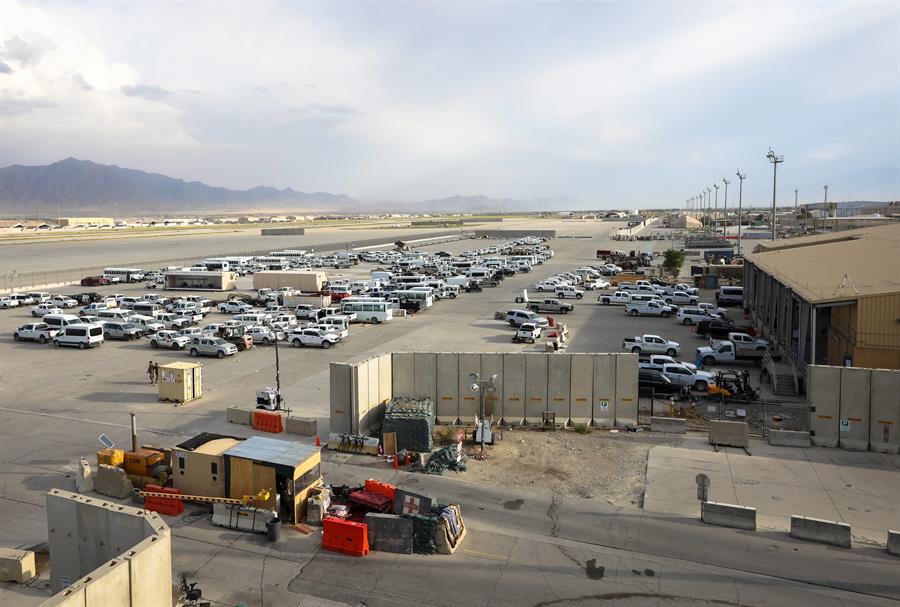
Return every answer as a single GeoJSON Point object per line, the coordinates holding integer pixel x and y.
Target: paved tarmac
{"type": "Point", "coordinates": [540, 551]}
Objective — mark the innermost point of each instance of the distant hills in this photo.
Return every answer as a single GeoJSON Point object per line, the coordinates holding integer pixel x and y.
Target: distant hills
{"type": "Point", "coordinates": [82, 185]}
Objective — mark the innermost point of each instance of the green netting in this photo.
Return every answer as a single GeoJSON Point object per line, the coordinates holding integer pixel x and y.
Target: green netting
{"type": "Point", "coordinates": [445, 459]}
{"type": "Point", "coordinates": [412, 420]}
{"type": "Point", "coordinates": [424, 528]}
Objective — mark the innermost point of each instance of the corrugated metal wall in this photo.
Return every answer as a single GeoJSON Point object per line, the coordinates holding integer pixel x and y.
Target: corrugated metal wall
{"type": "Point", "coordinates": [877, 323]}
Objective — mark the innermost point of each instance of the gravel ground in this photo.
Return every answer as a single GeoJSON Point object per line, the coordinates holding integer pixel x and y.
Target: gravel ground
{"type": "Point", "coordinates": [599, 465]}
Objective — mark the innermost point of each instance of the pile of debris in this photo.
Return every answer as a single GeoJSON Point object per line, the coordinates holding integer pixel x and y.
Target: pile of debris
{"type": "Point", "coordinates": [412, 421]}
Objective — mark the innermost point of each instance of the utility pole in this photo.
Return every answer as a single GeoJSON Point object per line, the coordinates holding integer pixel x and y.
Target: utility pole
{"type": "Point", "coordinates": [740, 200]}
{"type": "Point", "coordinates": [725, 209]}
{"type": "Point", "coordinates": [796, 193]}
{"type": "Point", "coordinates": [716, 210]}
{"type": "Point", "coordinates": [775, 160]}
{"type": "Point", "coordinates": [825, 208]}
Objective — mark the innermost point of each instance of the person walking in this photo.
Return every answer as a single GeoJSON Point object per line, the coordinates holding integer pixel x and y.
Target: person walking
{"type": "Point", "coordinates": [151, 372]}
{"type": "Point", "coordinates": [155, 373]}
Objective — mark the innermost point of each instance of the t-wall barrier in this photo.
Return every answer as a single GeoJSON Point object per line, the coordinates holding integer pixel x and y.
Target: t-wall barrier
{"type": "Point", "coordinates": [580, 389]}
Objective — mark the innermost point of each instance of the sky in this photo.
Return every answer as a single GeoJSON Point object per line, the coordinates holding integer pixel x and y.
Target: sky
{"type": "Point", "coordinates": [605, 104]}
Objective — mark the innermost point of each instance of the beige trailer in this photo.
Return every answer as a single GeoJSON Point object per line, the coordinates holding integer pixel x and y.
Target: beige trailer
{"type": "Point", "coordinates": [201, 281]}
{"type": "Point", "coordinates": [306, 282]}
{"type": "Point", "coordinates": [180, 382]}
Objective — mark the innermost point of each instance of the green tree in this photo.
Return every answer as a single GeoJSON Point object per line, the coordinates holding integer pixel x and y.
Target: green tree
{"type": "Point", "coordinates": [672, 261]}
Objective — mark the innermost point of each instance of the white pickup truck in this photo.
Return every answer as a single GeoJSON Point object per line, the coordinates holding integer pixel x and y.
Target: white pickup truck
{"type": "Point", "coordinates": [619, 298]}
{"type": "Point", "coordinates": [727, 351]}
{"type": "Point", "coordinates": [650, 344]}
{"type": "Point", "coordinates": [649, 308]}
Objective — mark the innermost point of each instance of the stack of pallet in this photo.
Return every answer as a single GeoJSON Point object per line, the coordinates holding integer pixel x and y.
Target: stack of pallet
{"type": "Point", "coordinates": [412, 421]}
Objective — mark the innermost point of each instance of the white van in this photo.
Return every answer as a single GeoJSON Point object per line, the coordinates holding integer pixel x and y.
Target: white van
{"type": "Point", "coordinates": [147, 308]}
{"type": "Point", "coordinates": [58, 321]}
{"type": "Point", "coordinates": [460, 281]}
{"type": "Point", "coordinates": [40, 296]}
{"type": "Point", "coordinates": [115, 314]}
{"type": "Point", "coordinates": [252, 319]}
{"type": "Point", "coordinates": [80, 335]}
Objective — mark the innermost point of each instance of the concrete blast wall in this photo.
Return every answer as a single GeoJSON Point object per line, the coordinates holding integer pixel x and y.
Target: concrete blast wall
{"type": "Point", "coordinates": [597, 389]}
{"type": "Point", "coordinates": [854, 408]}
{"type": "Point", "coordinates": [358, 393]}
{"type": "Point", "coordinates": [282, 231]}
{"type": "Point", "coordinates": [514, 233]}
{"type": "Point", "coordinates": [105, 554]}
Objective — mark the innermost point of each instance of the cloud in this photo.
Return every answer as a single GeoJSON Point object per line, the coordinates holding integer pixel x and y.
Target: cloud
{"type": "Point", "coordinates": [147, 91]}
{"type": "Point", "coordinates": [79, 81]}
{"type": "Point", "coordinates": [30, 51]}
{"type": "Point", "coordinates": [5, 69]}
{"type": "Point", "coordinates": [13, 104]}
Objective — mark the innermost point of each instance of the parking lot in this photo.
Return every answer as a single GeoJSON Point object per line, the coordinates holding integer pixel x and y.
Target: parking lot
{"type": "Point", "coordinates": [58, 401]}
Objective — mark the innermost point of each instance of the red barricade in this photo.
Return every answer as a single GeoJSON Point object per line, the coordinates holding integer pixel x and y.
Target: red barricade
{"type": "Point", "coordinates": [163, 505]}
{"type": "Point", "coordinates": [345, 536]}
{"type": "Point", "coordinates": [267, 422]}
{"type": "Point", "coordinates": [385, 489]}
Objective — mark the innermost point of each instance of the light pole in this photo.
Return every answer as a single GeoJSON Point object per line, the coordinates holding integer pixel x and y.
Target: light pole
{"type": "Point", "coordinates": [708, 192]}
{"type": "Point", "coordinates": [825, 208]}
{"type": "Point", "coordinates": [482, 386]}
{"type": "Point", "coordinates": [796, 194]}
{"type": "Point", "coordinates": [716, 210]}
{"type": "Point", "coordinates": [740, 200]}
{"type": "Point", "coordinates": [775, 160]}
{"type": "Point", "coordinates": [725, 209]}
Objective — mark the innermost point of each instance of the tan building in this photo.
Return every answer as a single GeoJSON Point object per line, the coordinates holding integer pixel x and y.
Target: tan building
{"type": "Point", "coordinates": [685, 222]}
{"type": "Point", "coordinates": [306, 282]}
{"type": "Point", "coordinates": [829, 299]}
{"type": "Point", "coordinates": [216, 465]}
{"type": "Point", "coordinates": [85, 221]}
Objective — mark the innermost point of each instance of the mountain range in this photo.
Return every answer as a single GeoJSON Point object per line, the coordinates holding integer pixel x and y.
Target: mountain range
{"type": "Point", "coordinates": [82, 186]}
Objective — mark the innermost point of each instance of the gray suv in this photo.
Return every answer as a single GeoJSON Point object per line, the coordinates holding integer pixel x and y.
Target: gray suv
{"type": "Point", "coordinates": [517, 317]}
{"type": "Point", "coordinates": [121, 330]}
{"type": "Point", "coordinates": [212, 346]}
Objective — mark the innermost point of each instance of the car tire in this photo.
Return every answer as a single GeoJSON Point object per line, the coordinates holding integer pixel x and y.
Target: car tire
{"type": "Point", "coordinates": [56, 343]}
{"type": "Point", "coordinates": [701, 386]}
{"type": "Point", "coordinates": [326, 344]}
{"type": "Point", "coordinates": [16, 337]}
{"type": "Point", "coordinates": [635, 350]}
{"type": "Point", "coordinates": [177, 346]}
{"type": "Point", "coordinates": [266, 341]}
{"type": "Point", "coordinates": [563, 311]}
{"type": "Point", "coordinates": [296, 343]}
{"type": "Point", "coordinates": [668, 301]}
{"type": "Point", "coordinates": [633, 313]}
{"type": "Point", "coordinates": [81, 345]}
{"type": "Point", "coordinates": [605, 302]}
{"type": "Point", "coordinates": [664, 314]}
{"type": "Point", "coordinates": [220, 354]}
{"type": "Point", "coordinates": [671, 352]}
{"type": "Point", "coordinates": [687, 321]}
{"type": "Point", "coordinates": [579, 296]}
{"type": "Point", "coordinates": [453, 296]}
{"type": "Point", "coordinates": [512, 323]}
{"type": "Point", "coordinates": [708, 360]}
{"type": "Point", "coordinates": [106, 336]}
{"type": "Point", "coordinates": [194, 352]}
{"type": "Point", "coordinates": [154, 344]}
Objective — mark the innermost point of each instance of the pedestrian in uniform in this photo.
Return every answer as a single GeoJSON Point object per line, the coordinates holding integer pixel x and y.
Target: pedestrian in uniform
{"type": "Point", "coordinates": [155, 373]}
{"type": "Point", "coordinates": [151, 372]}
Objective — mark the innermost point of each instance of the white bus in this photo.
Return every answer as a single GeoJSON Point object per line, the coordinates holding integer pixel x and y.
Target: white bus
{"type": "Point", "coordinates": [423, 297]}
{"type": "Point", "coordinates": [291, 254]}
{"type": "Point", "coordinates": [125, 274]}
{"type": "Point", "coordinates": [368, 311]}
{"type": "Point", "coordinates": [273, 263]}
{"type": "Point", "coordinates": [217, 264]}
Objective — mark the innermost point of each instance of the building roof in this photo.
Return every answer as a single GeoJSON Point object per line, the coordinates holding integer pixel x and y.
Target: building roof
{"type": "Point", "coordinates": [815, 267]}
{"type": "Point", "coordinates": [273, 451]}
{"type": "Point", "coordinates": [204, 438]}
{"type": "Point", "coordinates": [180, 365]}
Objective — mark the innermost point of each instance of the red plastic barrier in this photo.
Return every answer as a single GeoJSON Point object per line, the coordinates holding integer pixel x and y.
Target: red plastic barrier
{"type": "Point", "coordinates": [163, 505]}
{"type": "Point", "coordinates": [345, 536]}
{"type": "Point", "coordinates": [267, 422]}
{"type": "Point", "coordinates": [386, 489]}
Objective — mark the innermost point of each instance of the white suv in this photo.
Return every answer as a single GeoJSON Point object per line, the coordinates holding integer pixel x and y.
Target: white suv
{"type": "Point", "coordinates": [691, 316]}
{"type": "Point", "coordinates": [517, 317]}
{"type": "Point", "coordinates": [313, 337]}
{"type": "Point", "coordinates": [563, 291]}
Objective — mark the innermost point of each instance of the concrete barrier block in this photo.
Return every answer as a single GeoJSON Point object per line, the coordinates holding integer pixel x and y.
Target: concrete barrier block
{"type": "Point", "coordinates": [239, 415]}
{"type": "Point", "coordinates": [673, 425]}
{"type": "Point", "coordinates": [84, 477]}
{"type": "Point", "coordinates": [788, 438]}
{"type": "Point", "coordinates": [304, 426]}
{"type": "Point", "coordinates": [822, 531]}
{"type": "Point", "coordinates": [893, 543]}
{"type": "Point", "coordinates": [729, 434]}
{"type": "Point", "coordinates": [390, 533]}
{"type": "Point", "coordinates": [112, 482]}
{"type": "Point", "coordinates": [16, 565]}
{"type": "Point", "coordinates": [728, 515]}
{"type": "Point", "coordinates": [72, 596]}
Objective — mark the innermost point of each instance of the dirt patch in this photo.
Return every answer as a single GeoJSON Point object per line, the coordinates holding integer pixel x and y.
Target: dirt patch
{"type": "Point", "coordinates": [599, 465]}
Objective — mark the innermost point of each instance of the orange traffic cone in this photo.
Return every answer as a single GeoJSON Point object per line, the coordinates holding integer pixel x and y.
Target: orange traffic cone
{"type": "Point", "coordinates": [394, 465]}
{"type": "Point", "coordinates": [406, 459]}
{"type": "Point", "coordinates": [318, 441]}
